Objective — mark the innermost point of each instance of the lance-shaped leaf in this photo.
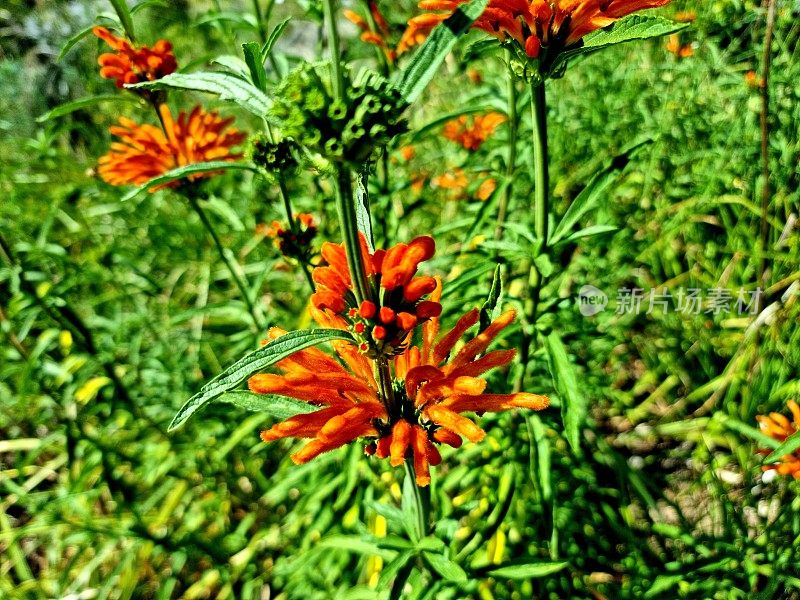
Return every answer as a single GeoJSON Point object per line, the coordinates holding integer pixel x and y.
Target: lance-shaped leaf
{"type": "Point", "coordinates": [228, 87]}
{"type": "Point", "coordinates": [267, 355]}
{"type": "Point", "coordinates": [280, 407]}
{"type": "Point", "coordinates": [363, 219]}
{"type": "Point", "coordinates": [527, 570]}
{"type": "Point", "coordinates": [590, 196]}
{"type": "Point", "coordinates": [629, 29]}
{"type": "Point", "coordinates": [419, 72]}
{"type": "Point", "coordinates": [187, 170]}
{"type": "Point", "coordinates": [789, 445]}
{"type": "Point", "coordinates": [69, 107]}
{"type": "Point", "coordinates": [574, 406]}
{"type": "Point", "coordinates": [255, 62]}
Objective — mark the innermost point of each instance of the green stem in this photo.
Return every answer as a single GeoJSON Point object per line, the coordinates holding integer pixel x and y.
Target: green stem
{"type": "Point", "coordinates": [421, 499]}
{"type": "Point", "coordinates": [227, 260]}
{"type": "Point", "coordinates": [511, 160]}
{"type": "Point", "coordinates": [541, 179]}
{"type": "Point", "coordinates": [262, 31]}
{"type": "Point", "coordinates": [339, 91]}
{"type": "Point", "coordinates": [346, 210]}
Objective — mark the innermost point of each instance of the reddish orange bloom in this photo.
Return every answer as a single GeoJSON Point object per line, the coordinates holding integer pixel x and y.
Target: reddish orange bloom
{"type": "Point", "coordinates": [146, 151]}
{"type": "Point", "coordinates": [486, 189]}
{"type": "Point", "coordinates": [533, 24]}
{"type": "Point", "coordinates": [471, 135]}
{"type": "Point", "coordinates": [778, 427]}
{"type": "Point", "coordinates": [378, 36]}
{"type": "Point", "coordinates": [132, 64]}
{"type": "Point", "coordinates": [383, 324]}
{"type": "Point", "coordinates": [675, 47]}
{"type": "Point", "coordinates": [457, 182]}
{"type": "Point", "coordinates": [434, 385]}
{"type": "Point", "coordinates": [752, 79]}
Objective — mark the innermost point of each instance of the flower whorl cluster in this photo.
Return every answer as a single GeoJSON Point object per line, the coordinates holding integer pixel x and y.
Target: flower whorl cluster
{"type": "Point", "coordinates": [273, 156]}
{"type": "Point", "coordinates": [434, 381]}
{"type": "Point", "coordinates": [294, 242]}
{"type": "Point", "coordinates": [350, 130]}
{"type": "Point", "coordinates": [381, 325]}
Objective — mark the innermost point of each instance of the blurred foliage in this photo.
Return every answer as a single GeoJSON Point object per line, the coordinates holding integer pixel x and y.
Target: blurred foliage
{"type": "Point", "coordinates": [115, 313]}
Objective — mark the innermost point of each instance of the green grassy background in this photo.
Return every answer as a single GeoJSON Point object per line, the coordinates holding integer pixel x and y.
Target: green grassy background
{"type": "Point", "coordinates": [665, 499]}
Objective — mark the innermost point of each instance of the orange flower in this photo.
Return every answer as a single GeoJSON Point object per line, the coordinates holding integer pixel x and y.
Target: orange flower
{"type": "Point", "coordinates": [486, 189]}
{"type": "Point", "coordinates": [457, 182]}
{"type": "Point", "coordinates": [451, 180]}
{"type": "Point", "coordinates": [778, 427]}
{"type": "Point", "coordinates": [753, 80]}
{"type": "Point", "coordinates": [145, 151]}
{"type": "Point", "coordinates": [472, 135]}
{"type": "Point", "coordinates": [434, 385]}
{"type": "Point", "coordinates": [377, 37]}
{"type": "Point", "coordinates": [533, 24]}
{"type": "Point", "coordinates": [675, 47]}
{"type": "Point", "coordinates": [383, 325]}
{"type": "Point", "coordinates": [408, 153]}
{"type": "Point", "coordinates": [131, 64]}
{"type": "Point", "coordinates": [685, 16]}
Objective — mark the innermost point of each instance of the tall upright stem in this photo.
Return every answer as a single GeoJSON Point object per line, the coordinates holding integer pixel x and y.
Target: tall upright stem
{"type": "Point", "coordinates": [226, 259]}
{"type": "Point", "coordinates": [764, 122]}
{"type": "Point", "coordinates": [540, 162]}
{"type": "Point", "coordinates": [511, 158]}
{"type": "Point", "coordinates": [541, 178]}
{"type": "Point", "coordinates": [333, 48]}
{"type": "Point", "coordinates": [346, 210]}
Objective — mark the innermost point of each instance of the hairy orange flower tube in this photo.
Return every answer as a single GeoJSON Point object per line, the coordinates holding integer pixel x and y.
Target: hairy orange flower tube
{"type": "Point", "coordinates": [779, 428]}
{"type": "Point", "coordinates": [134, 64]}
{"type": "Point", "coordinates": [533, 24]}
{"type": "Point", "coordinates": [472, 135]}
{"type": "Point", "coordinates": [434, 383]}
{"type": "Point", "coordinates": [146, 151]}
{"type": "Point", "coordinates": [381, 326]}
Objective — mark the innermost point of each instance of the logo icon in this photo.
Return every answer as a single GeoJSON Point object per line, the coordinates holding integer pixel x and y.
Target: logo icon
{"type": "Point", "coordinates": [591, 300]}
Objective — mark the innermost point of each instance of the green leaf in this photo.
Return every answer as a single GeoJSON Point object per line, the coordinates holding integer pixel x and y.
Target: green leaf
{"type": "Point", "coordinates": [527, 570]}
{"type": "Point", "coordinates": [592, 194]}
{"type": "Point", "coordinates": [390, 571]}
{"type": "Point", "coordinates": [255, 62]}
{"type": "Point", "coordinates": [445, 567]}
{"type": "Point", "coordinates": [185, 171]}
{"type": "Point", "coordinates": [746, 430]}
{"type": "Point", "coordinates": [632, 28]}
{"type": "Point", "coordinates": [411, 507]}
{"type": "Point", "coordinates": [273, 37]}
{"type": "Point", "coordinates": [279, 407]}
{"type": "Point", "coordinates": [267, 355]}
{"type": "Point", "coordinates": [124, 14]}
{"type": "Point", "coordinates": [590, 231]}
{"type": "Point", "coordinates": [357, 545]}
{"type": "Point", "coordinates": [788, 446]}
{"type": "Point", "coordinates": [423, 66]}
{"type": "Point", "coordinates": [228, 87]}
{"type": "Point", "coordinates": [574, 405]}
{"type": "Point", "coordinates": [491, 308]}
{"type": "Point", "coordinates": [363, 219]}
{"type": "Point", "coordinates": [70, 43]}
{"type": "Point", "coordinates": [69, 107]}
